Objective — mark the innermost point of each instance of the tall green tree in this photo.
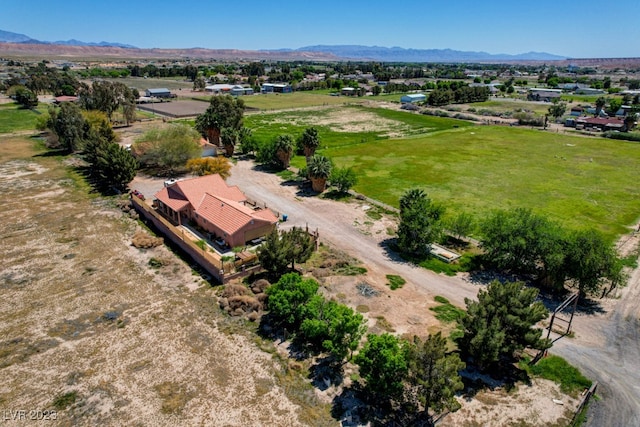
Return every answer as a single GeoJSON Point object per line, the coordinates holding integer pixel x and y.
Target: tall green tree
{"type": "Point", "coordinates": [383, 365]}
{"type": "Point", "coordinates": [433, 378]}
{"type": "Point", "coordinates": [520, 240]}
{"type": "Point", "coordinates": [334, 326]}
{"type": "Point", "coordinates": [600, 103]}
{"type": "Point", "coordinates": [223, 112]}
{"type": "Point", "coordinates": [614, 106]}
{"type": "Point", "coordinates": [501, 322]}
{"type": "Point", "coordinates": [299, 245]}
{"type": "Point", "coordinates": [420, 222]}
{"type": "Point", "coordinates": [26, 98]}
{"type": "Point", "coordinates": [69, 126]}
{"type": "Point", "coordinates": [115, 166]}
{"type": "Point", "coordinates": [288, 298]}
{"type": "Point", "coordinates": [273, 254]}
{"type": "Point", "coordinates": [592, 262]}
{"type": "Point", "coordinates": [557, 109]}
{"type": "Point", "coordinates": [461, 225]}
{"type": "Point", "coordinates": [105, 96]}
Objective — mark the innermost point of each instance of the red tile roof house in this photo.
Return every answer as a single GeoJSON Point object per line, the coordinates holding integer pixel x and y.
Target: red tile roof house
{"type": "Point", "coordinates": [216, 207]}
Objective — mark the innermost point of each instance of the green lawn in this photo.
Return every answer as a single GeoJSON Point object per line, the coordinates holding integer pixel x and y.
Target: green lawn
{"type": "Point", "coordinates": [579, 181]}
{"type": "Point", "coordinates": [348, 126]}
{"type": "Point", "coordinates": [13, 118]}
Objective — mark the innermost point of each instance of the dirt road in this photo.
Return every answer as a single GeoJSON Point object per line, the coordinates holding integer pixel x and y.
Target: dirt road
{"type": "Point", "coordinates": [606, 347]}
{"type": "Point", "coordinates": [340, 224]}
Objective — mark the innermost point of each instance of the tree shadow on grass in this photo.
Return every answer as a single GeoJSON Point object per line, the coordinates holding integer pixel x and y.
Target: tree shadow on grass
{"type": "Point", "coordinates": [52, 153]}
{"type": "Point", "coordinates": [97, 186]}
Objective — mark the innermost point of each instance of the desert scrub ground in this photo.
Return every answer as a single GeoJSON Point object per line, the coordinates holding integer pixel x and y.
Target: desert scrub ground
{"type": "Point", "coordinates": [90, 328]}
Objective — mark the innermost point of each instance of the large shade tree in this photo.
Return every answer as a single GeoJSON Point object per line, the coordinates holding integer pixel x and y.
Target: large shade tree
{"type": "Point", "coordinates": [420, 222]}
{"type": "Point", "coordinates": [106, 96]}
{"type": "Point", "coordinates": [383, 365]}
{"type": "Point", "coordinates": [69, 126]}
{"type": "Point", "coordinates": [223, 112]}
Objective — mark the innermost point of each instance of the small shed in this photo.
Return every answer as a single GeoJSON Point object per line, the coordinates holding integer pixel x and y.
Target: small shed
{"type": "Point", "coordinates": [158, 93]}
{"type": "Point", "coordinates": [413, 98]}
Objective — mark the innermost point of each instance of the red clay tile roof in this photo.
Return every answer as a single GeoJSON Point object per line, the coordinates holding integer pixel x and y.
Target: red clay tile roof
{"type": "Point", "coordinates": [193, 190]}
{"type": "Point", "coordinates": [214, 200]}
{"type": "Point", "coordinates": [228, 215]}
{"type": "Point", "coordinates": [172, 198]}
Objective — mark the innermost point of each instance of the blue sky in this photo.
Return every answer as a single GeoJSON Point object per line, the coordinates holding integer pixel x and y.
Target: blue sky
{"type": "Point", "coordinates": [586, 29]}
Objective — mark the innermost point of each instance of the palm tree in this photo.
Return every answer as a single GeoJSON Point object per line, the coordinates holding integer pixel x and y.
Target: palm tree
{"type": "Point", "coordinates": [310, 141]}
{"type": "Point", "coordinates": [283, 145]}
{"type": "Point", "coordinates": [223, 112]}
{"type": "Point", "coordinates": [319, 169]}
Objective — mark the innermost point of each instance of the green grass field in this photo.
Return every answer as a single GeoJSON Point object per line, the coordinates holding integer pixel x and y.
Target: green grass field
{"type": "Point", "coordinates": [304, 99]}
{"type": "Point", "coordinates": [13, 118]}
{"type": "Point", "coordinates": [507, 104]}
{"type": "Point", "coordinates": [348, 126]}
{"type": "Point", "coordinates": [581, 182]}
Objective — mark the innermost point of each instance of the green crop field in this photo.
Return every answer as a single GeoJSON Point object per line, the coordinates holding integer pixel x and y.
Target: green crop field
{"type": "Point", "coordinates": [579, 181]}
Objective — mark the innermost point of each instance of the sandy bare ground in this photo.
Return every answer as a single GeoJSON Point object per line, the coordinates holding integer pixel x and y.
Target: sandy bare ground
{"type": "Point", "coordinates": [82, 313]}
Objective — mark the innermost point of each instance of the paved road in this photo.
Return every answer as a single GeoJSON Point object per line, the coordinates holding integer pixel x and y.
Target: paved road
{"type": "Point", "coordinates": [606, 347]}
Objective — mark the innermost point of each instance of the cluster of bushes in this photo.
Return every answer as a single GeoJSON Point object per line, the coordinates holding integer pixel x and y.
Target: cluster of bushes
{"type": "Point", "coordinates": [522, 242]}
{"type": "Point", "coordinates": [517, 241]}
{"type": "Point", "coordinates": [625, 136]}
{"type": "Point", "coordinates": [319, 324]}
{"type": "Point", "coordinates": [529, 119]}
{"type": "Point", "coordinates": [238, 300]}
{"type": "Point", "coordinates": [460, 95]}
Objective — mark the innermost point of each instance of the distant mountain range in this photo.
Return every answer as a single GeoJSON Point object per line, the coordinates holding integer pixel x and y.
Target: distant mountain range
{"type": "Point", "coordinates": [399, 54]}
{"type": "Point", "coordinates": [317, 52]}
{"type": "Point", "coordinates": [7, 36]}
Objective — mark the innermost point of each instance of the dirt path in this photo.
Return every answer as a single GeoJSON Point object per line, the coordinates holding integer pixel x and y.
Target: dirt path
{"type": "Point", "coordinates": [606, 347]}
{"type": "Point", "coordinates": [340, 224]}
